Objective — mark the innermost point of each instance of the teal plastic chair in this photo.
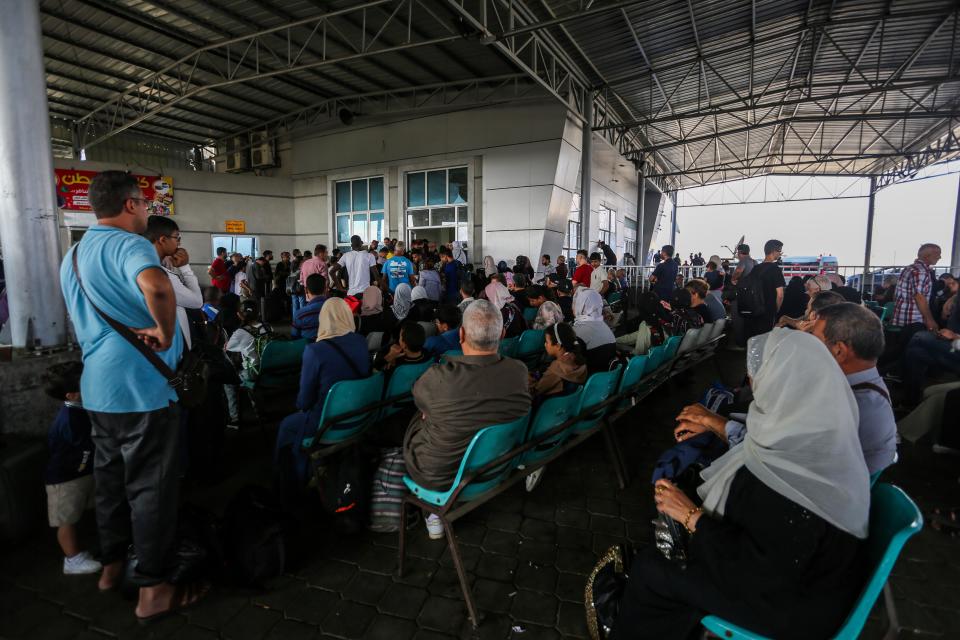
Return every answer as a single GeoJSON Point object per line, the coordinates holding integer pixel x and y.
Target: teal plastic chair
{"type": "Point", "coordinates": [552, 413]}
{"type": "Point", "coordinates": [670, 348]}
{"type": "Point", "coordinates": [655, 357]}
{"type": "Point", "coordinates": [894, 518]}
{"type": "Point", "coordinates": [280, 365]}
{"type": "Point", "coordinates": [530, 314]}
{"type": "Point", "coordinates": [598, 388]}
{"type": "Point", "coordinates": [345, 397]}
{"type": "Point", "coordinates": [487, 445]}
{"type": "Point", "coordinates": [509, 346]}
{"type": "Point", "coordinates": [632, 379]}
{"type": "Point", "coordinates": [530, 346]}
{"type": "Point", "coordinates": [400, 386]}
{"type": "Point", "coordinates": [886, 316]}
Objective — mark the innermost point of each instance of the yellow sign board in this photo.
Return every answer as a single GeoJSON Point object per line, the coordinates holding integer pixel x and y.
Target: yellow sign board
{"type": "Point", "coordinates": [236, 226]}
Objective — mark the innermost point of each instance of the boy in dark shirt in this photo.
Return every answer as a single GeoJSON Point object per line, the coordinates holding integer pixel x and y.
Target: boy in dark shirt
{"type": "Point", "coordinates": [68, 477]}
{"type": "Point", "coordinates": [408, 349]}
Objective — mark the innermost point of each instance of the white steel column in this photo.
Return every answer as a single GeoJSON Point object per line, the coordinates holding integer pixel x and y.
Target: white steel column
{"type": "Point", "coordinates": [673, 221]}
{"type": "Point", "coordinates": [28, 213]}
{"type": "Point", "coordinates": [586, 172]}
{"type": "Point", "coordinates": [955, 253]}
{"type": "Point", "coordinates": [868, 249]}
{"type": "Point", "coordinates": [641, 257]}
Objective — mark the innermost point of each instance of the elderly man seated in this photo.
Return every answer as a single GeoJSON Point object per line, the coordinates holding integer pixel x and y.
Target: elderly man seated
{"type": "Point", "coordinates": [854, 337]}
{"type": "Point", "coordinates": [818, 300]}
{"type": "Point", "coordinates": [458, 398]}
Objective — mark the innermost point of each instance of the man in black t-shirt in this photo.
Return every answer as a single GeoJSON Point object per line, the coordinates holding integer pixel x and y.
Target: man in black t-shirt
{"type": "Point", "coordinates": [770, 279]}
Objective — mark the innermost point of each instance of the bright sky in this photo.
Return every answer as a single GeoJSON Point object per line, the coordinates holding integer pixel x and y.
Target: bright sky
{"type": "Point", "coordinates": [907, 215]}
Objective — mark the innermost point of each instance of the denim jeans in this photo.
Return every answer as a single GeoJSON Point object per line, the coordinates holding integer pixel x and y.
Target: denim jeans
{"type": "Point", "coordinates": [296, 303]}
{"type": "Point", "coordinates": [924, 350]}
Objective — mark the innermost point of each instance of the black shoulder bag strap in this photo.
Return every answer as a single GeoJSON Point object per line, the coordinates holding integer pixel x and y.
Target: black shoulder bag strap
{"type": "Point", "coordinates": [172, 378]}
{"type": "Point", "coordinates": [343, 354]}
{"type": "Point", "coordinates": [872, 387]}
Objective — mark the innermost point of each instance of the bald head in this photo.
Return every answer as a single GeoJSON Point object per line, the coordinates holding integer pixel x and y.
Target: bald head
{"type": "Point", "coordinates": [929, 254]}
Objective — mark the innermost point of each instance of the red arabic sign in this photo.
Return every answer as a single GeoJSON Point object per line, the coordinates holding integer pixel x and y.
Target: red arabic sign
{"type": "Point", "coordinates": [73, 191]}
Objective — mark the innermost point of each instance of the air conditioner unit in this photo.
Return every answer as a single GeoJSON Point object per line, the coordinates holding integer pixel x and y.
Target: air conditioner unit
{"type": "Point", "coordinates": [261, 150]}
{"type": "Point", "coordinates": [238, 156]}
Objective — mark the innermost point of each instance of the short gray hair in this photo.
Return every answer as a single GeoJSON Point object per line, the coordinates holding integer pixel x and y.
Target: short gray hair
{"type": "Point", "coordinates": [482, 325]}
{"type": "Point", "coordinates": [399, 248]}
{"type": "Point", "coordinates": [856, 326]}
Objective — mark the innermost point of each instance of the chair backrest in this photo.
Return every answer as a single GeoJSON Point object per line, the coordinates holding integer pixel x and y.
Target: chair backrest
{"type": "Point", "coordinates": [633, 374]}
{"type": "Point", "coordinates": [374, 341]}
{"type": "Point", "coordinates": [689, 341]}
{"type": "Point", "coordinates": [552, 413]}
{"type": "Point", "coordinates": [718, 328]}
{"type": "Point", "coordinates": [429, 328]}
{"type": "Point", "coordinates": [509, 346]}
{"type": "Point", "coordinates": [598, 388]}
{"type": "Point", "coordinates": [400, 385]}
{"type": "Point", "coordinates": [655, 356]}
{"type": "Point", "coordinates": [894, 518]}
{"type": "Point", "coordinates": [345, 397]}
{"type": "Point", "coordinates": [703, 337]}
{"type": "Point", "coordinates": [530, 314]}
{"type": "Point", "coordinates": [531, 343]}
{"type": "Point", "coordinates": [282, 355]}
{"type": "Point", "coordinates": [887, 312]}
{"type": "Point", "coordinates": [670, 348]}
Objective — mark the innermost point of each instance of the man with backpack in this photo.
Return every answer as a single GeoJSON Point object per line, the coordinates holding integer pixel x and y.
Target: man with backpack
{"type": "Point", "coordinates": [760, 292]}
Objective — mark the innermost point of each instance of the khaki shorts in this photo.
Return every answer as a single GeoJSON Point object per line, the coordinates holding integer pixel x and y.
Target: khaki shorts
{"type": "Point", "coordinates": [67, 501]}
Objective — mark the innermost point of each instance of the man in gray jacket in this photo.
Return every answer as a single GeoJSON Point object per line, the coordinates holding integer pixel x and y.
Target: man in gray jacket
{"type": "Point", "coordinates": [460, 397]}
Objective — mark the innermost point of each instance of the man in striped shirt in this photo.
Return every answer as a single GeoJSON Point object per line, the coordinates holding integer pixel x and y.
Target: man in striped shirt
{"type": "Point", "coordinates": [912, 302]}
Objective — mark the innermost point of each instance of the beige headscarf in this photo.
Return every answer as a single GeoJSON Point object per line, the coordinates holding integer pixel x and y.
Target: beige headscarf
{"type": "Point", "coordinates": [336, 319]}
{"type": "Point", "coordinates": [498, 294]}
{"type": "Point", "coordinates": [372, 303]}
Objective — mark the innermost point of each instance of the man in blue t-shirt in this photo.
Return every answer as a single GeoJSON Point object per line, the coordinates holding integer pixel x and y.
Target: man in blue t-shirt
{"type": "Point", "coordinates": [398, 268]}
{"type": "Point", "coordinates": [134, 411]}
{"type": "Point", "coordinates": [451, 276]}
{"type": "Point", "coordinates": [664, 278]}
{"type": "Point", "coordinates": [306, 321]}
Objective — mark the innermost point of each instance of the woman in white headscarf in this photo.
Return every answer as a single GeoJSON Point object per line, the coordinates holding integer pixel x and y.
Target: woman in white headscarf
{"type": "Point", "coordinates": [423, 308]}
{"type": "Point", "coordinates": [590, 327]}
{"type": "Point", "coordinates": [775, 546]}
{"type": "Point", "coordinates": [402, 303]}
{"type": "Point", "coordinates": [513, 321]}
{"type": "Point", "coordinates": [489, 267]}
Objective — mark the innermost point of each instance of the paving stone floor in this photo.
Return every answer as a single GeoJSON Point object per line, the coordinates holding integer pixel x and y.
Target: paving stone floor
{"type": "Point", "coordinates": [527, 556]}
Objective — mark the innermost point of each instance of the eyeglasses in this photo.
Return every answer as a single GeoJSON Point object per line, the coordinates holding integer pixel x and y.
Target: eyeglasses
{"type": "Point", "coordinates": [176, 237]}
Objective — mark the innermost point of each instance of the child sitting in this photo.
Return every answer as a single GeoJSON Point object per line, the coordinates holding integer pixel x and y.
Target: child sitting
{"type": "Point", "coordinates": [568, 369]}
{"type": "Point", "coordinates": [68, 477]}
{"type": "Point", "coordinates": [407, 350]}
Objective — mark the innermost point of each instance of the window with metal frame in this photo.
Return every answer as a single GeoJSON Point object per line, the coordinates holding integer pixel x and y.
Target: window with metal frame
{"type": "Point", "coordinates": [607, 220]}
{"type": "Point", "coordinates": [438, 198]}
{"type": "Point", "coordinates": [244, 245]}
{"type": "Point", "coordinates": [571, 241]}
{"type": "Point", "coordinates": [359, 210]}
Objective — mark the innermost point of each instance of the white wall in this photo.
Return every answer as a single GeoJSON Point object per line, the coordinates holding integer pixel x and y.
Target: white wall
{"type": "Point", "coordinates": [204, 200]}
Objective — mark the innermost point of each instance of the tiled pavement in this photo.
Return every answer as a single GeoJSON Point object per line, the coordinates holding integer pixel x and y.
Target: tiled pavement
{"type": "Point", "coordinates": [527, 556]}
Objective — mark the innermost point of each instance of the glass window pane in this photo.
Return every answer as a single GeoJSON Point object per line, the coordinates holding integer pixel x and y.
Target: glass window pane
{"type": "Point", "coordinates": [444, 216]}
{"type": "Point", "coordinates": [437, 187]}
{"type": "Point", "coordinates": [376, 225]}
{"type": "Point", "coordinates": [343, 229]}
{"type": "Point", "coordinates": [222, 241]}
{"type": "Point", "coordinates": [416, 191]}
{"type": "Point", "coordinates": [575, 207]}
{"type": "Point", "coordinates": [419, 218]}
{"type": "Point", "coordinates": [462, 214]}
{"type": "Point", "coordinates": [376, 194]}
{"type": "Point", "coordinates": [359, 226]}
{"type": "Point", "coordinates": [462, 232]}
{"type": "Point", "coordinates": [343, 197]}
{"type": "Point", "coordinates": [359, 195]}
{"type": "Point", "coordinates": [245, 245]}
{"type": "Point", "coordinates": [458, 185]}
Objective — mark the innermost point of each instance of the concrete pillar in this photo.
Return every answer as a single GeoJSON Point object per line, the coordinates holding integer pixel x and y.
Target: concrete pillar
{"type": "Point", "coordinates": [955, 252]}
{"type": "Point", "coordinates": [586, 172]}
{"type": "Point", "coordinates": [641, 250]}
{"type": "Point", "coordinates": [871, 202]}
{"type": "Point", "coordinates": [673, 220]}
{"type": "Point", "coordinates": [28, 212]}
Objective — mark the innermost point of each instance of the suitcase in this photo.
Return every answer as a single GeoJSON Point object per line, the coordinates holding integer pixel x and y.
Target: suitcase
{"type": "Point", "coordinates": [22, 495]}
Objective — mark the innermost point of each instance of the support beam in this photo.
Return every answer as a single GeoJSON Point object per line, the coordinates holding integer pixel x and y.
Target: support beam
{"type": "Point", "coordinates": [673, 221]}
{"type": "Point", "coordinates": [955, 249]}
{"type": "Point", "coordinates": [586, 174]}
{"type": "Point", "coordinates": [871, 202]}
{"type": "Point", "coordinates": [28, 212]}
{"type": "Point", "coordinates": [641, 247]}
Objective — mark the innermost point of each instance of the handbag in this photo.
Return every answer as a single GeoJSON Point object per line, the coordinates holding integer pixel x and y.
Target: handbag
{"type": "Point", "coordinates": [604, 590]}
{"type": "Point", "coordinates": [190, 378]}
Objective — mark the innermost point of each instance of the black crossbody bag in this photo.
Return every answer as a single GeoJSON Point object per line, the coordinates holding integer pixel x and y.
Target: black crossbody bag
{"type": "Point", "coordinates": [190, 378]}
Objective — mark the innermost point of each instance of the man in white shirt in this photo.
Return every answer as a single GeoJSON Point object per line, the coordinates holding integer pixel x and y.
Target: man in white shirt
{"type": "Point", "coordinates": [165, 236]}
{"type": "Point", "coordinates": [358, 264]}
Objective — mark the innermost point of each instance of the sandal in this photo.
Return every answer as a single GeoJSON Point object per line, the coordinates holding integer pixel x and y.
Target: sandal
{"type": "Point", "coordinates": [946, 520]}
{"type": "Point", "coordinates": [184, 597]}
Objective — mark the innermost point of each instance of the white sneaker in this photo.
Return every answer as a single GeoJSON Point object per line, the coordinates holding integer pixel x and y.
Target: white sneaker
{"type": "Point", "coordinates": [434, 527]}
{"type": "Point", "coordinates": [532, 480]}
{"type": "Point", "coordinates": [81, 564]}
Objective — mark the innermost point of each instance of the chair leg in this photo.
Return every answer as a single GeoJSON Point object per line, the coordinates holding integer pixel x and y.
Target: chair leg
{"type": "Point", "coordinates": [614, 456]}
{"type": "Point", "coordinates": [893, 629]}
{"type": "Point", "coordinates": [403, 536]}
{"type": "Point", "coordinates": [461, 572]}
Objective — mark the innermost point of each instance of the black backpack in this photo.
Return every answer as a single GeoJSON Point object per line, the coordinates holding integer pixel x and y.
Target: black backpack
{"type": "Point", "coordinates": [344, 484]}
{"type": "Point", "coordinates": [255, 536]}
{"type": "Point", "coordinates": [751, 302]}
